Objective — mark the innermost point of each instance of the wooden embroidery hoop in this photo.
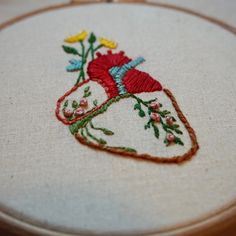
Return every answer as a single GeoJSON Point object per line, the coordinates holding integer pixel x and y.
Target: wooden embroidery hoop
{"type": "Point", "coordinates": [220, 221]}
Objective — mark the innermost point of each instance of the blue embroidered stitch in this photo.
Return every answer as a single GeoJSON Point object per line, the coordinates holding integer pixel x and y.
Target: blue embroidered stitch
{"type": "Point", "coordinates": [118, 73]}
{"type": "Point", "coordinates": [74, 65]}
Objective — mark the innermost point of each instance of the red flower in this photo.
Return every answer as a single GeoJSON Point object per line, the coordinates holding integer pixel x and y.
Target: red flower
{"type": "Point", "coordinates": [135, 81]}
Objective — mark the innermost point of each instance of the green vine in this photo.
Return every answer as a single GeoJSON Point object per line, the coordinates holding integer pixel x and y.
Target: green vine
{"type": "Point", "coordinates": [155, 125]}
{"type": "Point", "coordinates": [104, 130]}
{"type": "Point", "coordinates": [85, 126]}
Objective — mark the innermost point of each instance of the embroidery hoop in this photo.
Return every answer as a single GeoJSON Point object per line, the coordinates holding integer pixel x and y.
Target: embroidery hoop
{"type": "Point", "coordinates": [204, 225]}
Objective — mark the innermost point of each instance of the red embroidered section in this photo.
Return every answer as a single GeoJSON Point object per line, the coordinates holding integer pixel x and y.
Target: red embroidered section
{"type": "Point", "coordinates": [98, 70]}
{"type": "Point", "coordinates": [136, 81]}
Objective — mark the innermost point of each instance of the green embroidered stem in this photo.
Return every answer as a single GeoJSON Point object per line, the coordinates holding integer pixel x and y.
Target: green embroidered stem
{"type": "Point", "coordinates": [84, 55]}
{"type": "Point", "coordinates": [82, 134]}
{"type": "Point", "coordinates": [87, 52]}
{"type": "Point", "coordinates": [92, 52]}
{"type": "Point", "coordinates": [82, 74]}
{"type": "Point", "coordinates": [127, 149]}
{"type": "Point", "coordinates": [104, 130]}
{"type": "Point", "coordinates": [83, 48]}
{"type": "Point", "coordinates": [98, 47]}
{"type": "Point", "coordinates": [139, 100]}
{"type": "Point", "coordinates": [156, 130]}
{"type": "Point", "coordinates": [163, 113]}
{"type": "Point", "coordinates": [165, 127]}
{"type": "Point", "coordinates": [138, 106]}
{"type": "Point", "coordinates": [76, 126]}
{"type": "Point", "coordinates": [98, 140]}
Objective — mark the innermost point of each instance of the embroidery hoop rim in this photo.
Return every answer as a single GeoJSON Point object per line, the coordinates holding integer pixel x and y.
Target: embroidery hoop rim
{"type": "Point", "coordinates": [212, 222]}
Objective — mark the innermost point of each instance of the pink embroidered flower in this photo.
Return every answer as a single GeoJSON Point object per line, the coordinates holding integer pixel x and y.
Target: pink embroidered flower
{"type": "Point", "coordinates": [169, 120]}
{"type": "Point", "coordinates": [155, 117]}
{"type": "Point", "coordinates": [83, 102]}
{"type": "Point", "coordinates": [170, 137]}
{"type": "Point", "coordinates": [79, 111]}
{"type": "Point", "coordinates": [155, 105]}
{"type": "Point", "coordinates": [68, 113]}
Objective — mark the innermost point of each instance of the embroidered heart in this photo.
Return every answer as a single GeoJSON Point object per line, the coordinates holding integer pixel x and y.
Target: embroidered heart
{"type": "Point", "coordinates": [120, 78]}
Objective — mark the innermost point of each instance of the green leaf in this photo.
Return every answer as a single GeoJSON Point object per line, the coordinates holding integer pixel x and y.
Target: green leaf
{"type": "Point", "coordinates": [141, 113]}
{"type": "Point", "coordinates": [166, 112]}
{"type": "Point", "coordinates": [95, 102]}
{"type": "Point", "coordinates": [137, 106]}
{"type": "Point", "coordinates": [169, 127]}
{"type": "Point", "coordinates": [87, 94]}
{"type": "Point", "coordinates": [65, 104]}
{"type": "Point", "coordinates": [107, 131]}
{"type": "Point", "coordinates": [70, 50]}
{"type": "Point", "coordinates": [92, 38]}
{"type": "Point", "coordinates": [178, 131]}
{"type": "Point", "coordinates": [161, 114]}
{"type": "Point", "coordinates": [178, 141]}
{"type": "Point", "coordinates": [75, 104]}
{"type": "Point", "coordinates": [166, 142]}
{"type": "Point", "coordinates": [147, 126]}
{"type": "Point", "coordinates": [102, 141]}
{"type": "Point", "coordinates": [86, 89]}
{"type": "Point", "coordinates": [156, 130]}
{"type": "Point", "coordinates": [175, 126]}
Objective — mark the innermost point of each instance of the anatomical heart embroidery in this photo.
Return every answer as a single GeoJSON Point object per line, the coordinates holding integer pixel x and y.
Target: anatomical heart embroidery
{"type": "Point", "coordinates": [119, 79]}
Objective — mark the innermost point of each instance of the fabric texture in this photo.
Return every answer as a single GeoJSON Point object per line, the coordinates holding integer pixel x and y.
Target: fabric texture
{"type": "Point", "coordinates": [47, 175]}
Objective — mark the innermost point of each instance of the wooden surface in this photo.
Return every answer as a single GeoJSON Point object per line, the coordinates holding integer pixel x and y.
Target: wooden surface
{"type": "Point", "coordinates": [224, 228]}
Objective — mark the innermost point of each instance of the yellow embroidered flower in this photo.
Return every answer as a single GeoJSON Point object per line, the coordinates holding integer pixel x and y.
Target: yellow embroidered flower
{"type": "Point", "coordinates": [108, 43]}
{"type": "Point", "coordinates": [77, 37]}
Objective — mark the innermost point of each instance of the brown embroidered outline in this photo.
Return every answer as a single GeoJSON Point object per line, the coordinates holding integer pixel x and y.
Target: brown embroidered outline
{"type": "Point", "coordinates": [146, 157]}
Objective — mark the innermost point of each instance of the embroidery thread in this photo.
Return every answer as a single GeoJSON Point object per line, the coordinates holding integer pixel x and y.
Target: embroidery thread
{"type": "Point", "coordinates": [120, 78]}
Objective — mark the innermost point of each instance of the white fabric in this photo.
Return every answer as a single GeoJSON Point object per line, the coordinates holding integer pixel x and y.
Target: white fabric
{"type": "Point", "coordinates": [47, 175]}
